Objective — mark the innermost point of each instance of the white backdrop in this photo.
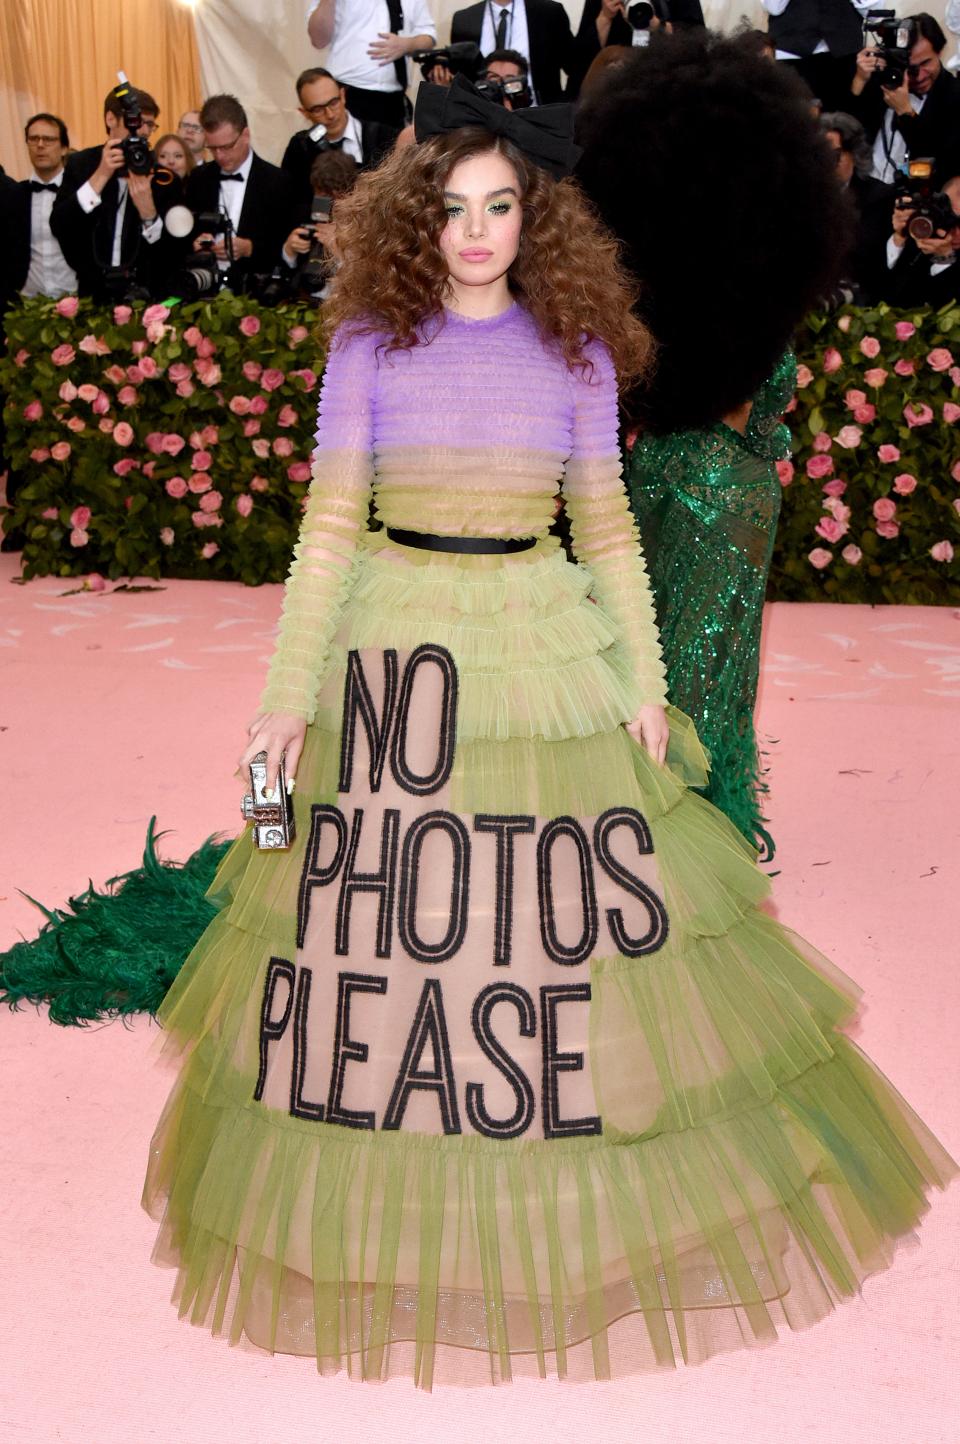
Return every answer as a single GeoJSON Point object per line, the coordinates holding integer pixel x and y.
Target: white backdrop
{"type": "Point", "coordinates": [256, 48]}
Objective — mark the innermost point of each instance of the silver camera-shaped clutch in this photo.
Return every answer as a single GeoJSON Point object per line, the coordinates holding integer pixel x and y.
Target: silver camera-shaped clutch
{"type": "Point", "coordinates": [272, 817]}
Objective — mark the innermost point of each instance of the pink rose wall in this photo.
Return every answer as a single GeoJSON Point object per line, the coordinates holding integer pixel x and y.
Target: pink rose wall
{"type": "Point", "coordinates": [117, 706]}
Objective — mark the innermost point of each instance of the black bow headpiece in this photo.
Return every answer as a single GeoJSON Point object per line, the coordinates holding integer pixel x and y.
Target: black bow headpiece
{"type": "Point", "coordinates": [544, 132]}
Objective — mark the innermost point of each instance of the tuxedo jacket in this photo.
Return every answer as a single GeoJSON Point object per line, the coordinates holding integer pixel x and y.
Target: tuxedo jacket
{"type": "Point", "coordinates": [551, 44]}
{"type": "Point", "coordinates": [909, 282]}
{"type": "Point", "coordinates": [682, 13]}
{"type": "Point", "coordinates": [934, 132]}
{"type": "Point", "coordinates": [301, 152]}
{"type": "Point", "coordinates": [268, 216]}
{"type": "Point", "coordinates": [15, 218]}
{"type": "Point", "coordinates": [867, 264]}
{"type": "Point", "coordinates": [86, 238]}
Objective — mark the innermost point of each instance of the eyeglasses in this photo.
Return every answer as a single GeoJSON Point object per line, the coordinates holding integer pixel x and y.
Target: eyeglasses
{"type": "Point", "coordinates": [149, 126]}
{"type": "Point", "coordinates": [324, 106]}
{"type": "Point", "coordinates": [42, 139]}
{"type": "Point", "coordinates": [190, 125]}
{"type": "Point", "coordinates": [216, 149]}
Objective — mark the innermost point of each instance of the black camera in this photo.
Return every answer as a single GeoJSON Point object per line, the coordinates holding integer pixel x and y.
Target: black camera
{"type": "Point", "coordinates": [121, 285]}
{"type": "Point", "coordinates": [315, 271]}
{"type": "Point", "coordinates": [460, 59]}
{"type": "Point", "coordinates": [137, 155]}
{"type": "Point", "coordinates": [892, 39]}
{"type": "Point", "coordinates": [498, 88]}
{"type": "Point", "coordinates": [202, 274]}
{"type": "Point", "coordinates": [932, 211]}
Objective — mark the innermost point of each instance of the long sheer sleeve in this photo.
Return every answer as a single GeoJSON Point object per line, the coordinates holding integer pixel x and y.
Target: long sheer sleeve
{"type": "Point", "coordinates": [604, 533]}
{"type": "Point", "coordinates": [336, 514]}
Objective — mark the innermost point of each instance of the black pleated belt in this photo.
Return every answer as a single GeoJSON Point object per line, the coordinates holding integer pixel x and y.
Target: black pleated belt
{"type": "Point", "coordinates": [476, 545]}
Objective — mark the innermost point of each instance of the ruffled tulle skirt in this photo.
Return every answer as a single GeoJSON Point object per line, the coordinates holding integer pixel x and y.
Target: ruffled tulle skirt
{"type": "Point", "coordinates": [501, 1068]}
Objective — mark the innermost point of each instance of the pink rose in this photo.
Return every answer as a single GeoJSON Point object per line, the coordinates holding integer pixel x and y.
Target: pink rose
{"type": "Point", "coordinates": [40, 454]}
{"type": "Point", "coordinates": [283, 446]}
{"type": "Point", "coordinates": [78, 537]}
{"type": "Point", "coordinates": [155, 313]}
{"type": "Point", "coordinates": [94, 346]}
{"type": "Point", "coordinates": [22, 357]}
{"type": "Point", "coordinates": [820, 558]}
{"type": "Point", "coordinates": [106, 424]}
{"type": "Point", "coordinates": [956, 505]}
{"type": "Point", "coordinates": [63, 355]}
{"type": "Point", "coordinates": [843, 324]}
{"type": "Point", "coordinates": [252, 370]}
{"type": "Point", "coordinates": [32, 411]}
{"type": "Point", "coordinates": [68, 392]}
{"type": "Point", "coordinates": [211, 501]}
{"type": "Point", "coordinates": [884, 509]}
{"type": "Point", "coordinates": [149, 467]}
{"type": "Point", "coordinates": [128, 396]}
{"type": "Point", "coordinates": [209, 436]}
{"type": "Point", "coordinates": [888, 452]}
{"type": "Point", "coordinates": [904, 483]}
{"type": "Point", "coordinates": [888, 529]}
{"type": "Point", "coordinates": [193, 336]}
{"type": "Point", "coordinates": [876, 376]}
{"type": "Point", "coordinates": [836, 508]}
{"type": "Point", "coordinates": [201, 460]}
{"type": "Point", "coordinates": [180, 371]}
{"type": "Point", "coordinates": [309, 378]}
{"type": "Point", "coordinates": [101, 404]}
{"type": "Point", "coordinates": [251, 427]}
{"type": "Point", "coordinates": [125, 465]}
{"type": "Point", "coordinates": [154, 442]}
{"type": "Point", "coordinates": [244, 504]}
{"type": "Point", "coordinates": [87, 392]}
{"type": "Point", "coordinates": [176, 487]}
{"type": "Point", "coordinates": [904, 367]}
{"type": "Point", "coordinates": [76, 423]}
{"type": "Point", "coordinates": [259, 483]}
{"type": "Point", "coordinates": [258, 405]}
{"type": "Point", "coordinates": [123, 433]}
{"type": "Point", "coordinates": [870, 347]}
{"type": "Point", "coordinates": [904, 330]}
{"type": "Point", "coordinates": [951, 412]}
{"type": "Point", "coordinates": [80, 517]}
{"type": "Point", "coordinates": [67, 306]}
{"type": "Point", "coordinates": [122, 314]}
{"type": "Point", "coordinates": [260, 447]}
{"type": "Point", "coordinates": [167, 536]}
{"type": "Point", "coordinates": [819, 466]}
{"type": "Point", "coordinates": [954, 373]}
{"type": "Point", "coordinates": [296, 334]}
{"type": "Point", "coordinates": [206, 348]}
{"type": "Point", "coordinates": [830, 529]}
{"type": "Point", "coordinates": [822, 441]}
{"type": "Point", "coordinates": [138, 347]}
{"type": "Point", "coordinates": [849, 436]}
{"type": "Point", "coordinates": [239, 405]}
{"type": "Point", "coordinates": [287, 416]}
{"type": "Point", "coordinates": [156, 332]}
{"type": "Point", "coordinates": [299, 471]}
{"type": "Point", "coordinates": [785, 471]}
{"type": "Point", "coordinates": [835, 488]}
{"type": "Point", "coordinates": [208, 550]}
{"type": "Point", "coordinates": [832, 360]}
{"type": "Point", "coordinates": [203, 518]}
{"type": "Point", "coordinates": [272, 378]}
{"type": "Point", "coordinates": [173, 443]}
{"type": "Point", "coordinates": [185, 389]}
{"type": "Point", "coordinates": [249, 325]}
{"type": "Point", "coordinates": [854, 398]}
{"type": "Point", "coordinates": [942, 551]}
{"type": "Point", "coordinates": [61, 450]}
{"type": "Point", "coordinates": [865, 414]}
{"type": "Point", "coordinates": [50, 514]}
{"type": "Point", "coordinates": [915, 415]}
{"type": "Point", "coordinates": [135, 374]}
{"type": "Point", "coordinates": [148, 367]}
{"type": "Point", "coordinates": [851, 555]}
{"type": "Point", "coordinates": [939, 359]}
{"type": "Point", "coordinates": [209, 372]}
{"type": "Point", "coordinates": [200, 481]}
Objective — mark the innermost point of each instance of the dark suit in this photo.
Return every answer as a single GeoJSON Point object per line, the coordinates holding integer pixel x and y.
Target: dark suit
{"type": "Point", "coordinates": [15, 224]}
{"type": "Point", "coordinates": [86, 238]}
{"type": "Point", "coordinates": [552, 48]}
{"type": "Point", "coordinates": [682, 13]}
{"type": "Point", "coordinates": [934, 132]}
{"type": "Point", "coordinates": [867, 265]}
{"type": "Point", "coordinates": [301, 152]}
{"type": "Point", "coordinates": [909, 283]}
{"type": "Point", "coordinates": [268, 216]}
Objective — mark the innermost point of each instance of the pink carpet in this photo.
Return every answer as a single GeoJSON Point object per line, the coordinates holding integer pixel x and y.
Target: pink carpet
{"type": "Point", "coordinates": [113, 707]}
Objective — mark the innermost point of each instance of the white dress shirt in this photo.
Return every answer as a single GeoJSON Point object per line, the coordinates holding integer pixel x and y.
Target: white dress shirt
{"type": "Point", "coordinates": [517, 37]}
{"type": "Point", "coordinates": [890, 148]}
{"type": "Point", "coordinates": [231, 198]}
{"type": "Point", "coordinates": [894, 252]}
{"type": "Point", "coordinates": [49, 274]}
{"type": "Point", "coordinates": [777, 7]}
{"type": "Point", "coordinates": [89, 199]}
{"type": "Point", "coordinates": [357, 24]}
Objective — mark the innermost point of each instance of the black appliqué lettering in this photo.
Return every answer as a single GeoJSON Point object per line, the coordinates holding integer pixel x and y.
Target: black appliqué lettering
{"type": "Point", "coordinates": [656, 934]}
{"type": "Point", "coordinates": [429, 1026]}
{"type": "Point", "coordinates": [410, 781]}
{"type": "Point", "coordinates": [272, 1029]}
{"type": "Point", "coordinates": [313, 875]}
{"type": "Point", "coordinates": [417, 832]}
{"type": "Point", "coordinates": [383, 883]}
{"type": "Point", "coordinates": [555, 1063]}
{"type": "Point", "coordinates": [560, 952]}
{"type": "Point", "coordinates": [347, 1049]}
{"type": "Point", "coordinates": [301, 1107]}
{"type": "Point", "coordinates": [505, 828]}
{"type": "Point", "coordinates": [358, 698]}
{"type": "Point", "coordinates": [522, 1116]}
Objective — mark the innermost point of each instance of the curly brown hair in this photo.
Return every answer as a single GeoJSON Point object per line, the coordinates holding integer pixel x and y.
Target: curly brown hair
{"type": "Point", "coordinates": [567, 273]}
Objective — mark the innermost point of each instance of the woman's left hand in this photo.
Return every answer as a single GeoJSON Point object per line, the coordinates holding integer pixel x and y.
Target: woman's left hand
{"type": "Point", "coordinates": [651, 729]}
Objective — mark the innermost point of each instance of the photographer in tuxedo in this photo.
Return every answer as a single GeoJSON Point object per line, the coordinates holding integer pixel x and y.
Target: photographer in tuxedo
{"type": "Point", "coordinates": [538, 29]}
{"type": "Point", "coordinates": [925, 271]}
{"type": "Point", "coordinates": [619, 22]}
{"type": "Point", "coordinates": [918, 117]}
{"type": "Point", "coordinates": [866, 268]}
{"type": "Point", "coordinates": [323, 101]}
{"type": "Point", "coordinates": [109, 222]}
{"type": "Point", "coordinates": [37, 265]}
{"type": "Point", "coordinates": [259, 198]}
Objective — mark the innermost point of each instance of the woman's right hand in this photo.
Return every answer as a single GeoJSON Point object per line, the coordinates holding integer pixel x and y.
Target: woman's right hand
{"type": "Point", "coordinates": [279, 734]}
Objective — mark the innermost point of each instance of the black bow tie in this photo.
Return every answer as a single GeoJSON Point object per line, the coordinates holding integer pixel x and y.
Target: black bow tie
{"type": "Point", "coordinates": [36, 186]}
{"type": "Point", "coordinates": [544, 133]}
{"type": "Point", "coordinates": [234, 176]}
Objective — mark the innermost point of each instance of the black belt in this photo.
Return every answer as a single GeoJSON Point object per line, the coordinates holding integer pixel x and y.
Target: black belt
{"type": "Point", "coordinates": [473, 544]}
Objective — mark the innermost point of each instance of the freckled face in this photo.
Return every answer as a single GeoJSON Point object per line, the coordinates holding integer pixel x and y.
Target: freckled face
{"type": "Point", "coordinates": [484, 219]}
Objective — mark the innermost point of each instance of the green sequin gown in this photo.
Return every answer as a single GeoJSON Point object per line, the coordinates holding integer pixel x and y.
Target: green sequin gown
{"type": "Point", "coordinates": [707, 503]}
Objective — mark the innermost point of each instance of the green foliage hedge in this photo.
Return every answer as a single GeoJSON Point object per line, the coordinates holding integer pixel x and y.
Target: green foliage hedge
{"type": "Point", "coordinates": [155, 442]}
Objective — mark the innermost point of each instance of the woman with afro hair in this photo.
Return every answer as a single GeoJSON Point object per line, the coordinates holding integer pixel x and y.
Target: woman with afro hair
{"type": "Point", "coordinates": [706, 161]}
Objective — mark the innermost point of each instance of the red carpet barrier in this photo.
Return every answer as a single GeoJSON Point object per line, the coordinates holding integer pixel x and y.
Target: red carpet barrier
{"type": "Point", "coordinates": [151, 442]}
